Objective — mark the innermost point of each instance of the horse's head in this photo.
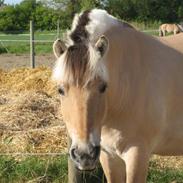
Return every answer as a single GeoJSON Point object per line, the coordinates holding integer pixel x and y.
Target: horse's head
{"type": "Point", "coordinates": [82, 78]}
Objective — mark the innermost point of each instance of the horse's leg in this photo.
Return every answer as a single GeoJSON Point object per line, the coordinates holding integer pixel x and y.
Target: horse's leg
{"type": "Point", "coordinates": [160, 32]}
{"type": "Point", "coordinates": [113, 167]}
{"type": "Point", "coordinates": [164, 33]}
{"type": "Point", "coordinates": [136, 160]}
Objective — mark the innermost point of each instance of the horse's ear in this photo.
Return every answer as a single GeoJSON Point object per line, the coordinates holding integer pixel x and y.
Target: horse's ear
{"type": "Point", "coordinates": [102, 45]}
{"type": "Point", "coordinates": [58, 48]}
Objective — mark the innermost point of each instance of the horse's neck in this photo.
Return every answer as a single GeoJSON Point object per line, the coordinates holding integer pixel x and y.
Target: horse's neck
{"type": "Point", "coordinates": [127, 65]}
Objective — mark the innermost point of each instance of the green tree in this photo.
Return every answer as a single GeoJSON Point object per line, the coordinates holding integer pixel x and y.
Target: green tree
{"type": "Point", "coordinates": [1, 2]}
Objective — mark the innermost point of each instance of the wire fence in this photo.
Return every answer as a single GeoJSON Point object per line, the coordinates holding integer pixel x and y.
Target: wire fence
{"type": "Point", "coordinates": [32, 154]}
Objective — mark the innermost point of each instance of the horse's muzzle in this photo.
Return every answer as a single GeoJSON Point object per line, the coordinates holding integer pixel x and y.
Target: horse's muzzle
{"type": "Point", "coordinates": [85, 159]}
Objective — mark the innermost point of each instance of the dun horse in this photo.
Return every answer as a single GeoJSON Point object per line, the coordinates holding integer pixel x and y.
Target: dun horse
{"type": "Point", "coordinates": [121, 96]}
{"type": "Point", "coordinates": [175, 28]}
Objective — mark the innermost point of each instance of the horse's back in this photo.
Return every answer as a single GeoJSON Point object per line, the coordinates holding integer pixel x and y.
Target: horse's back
{"type": "Point", "coordinates": [169, 27]}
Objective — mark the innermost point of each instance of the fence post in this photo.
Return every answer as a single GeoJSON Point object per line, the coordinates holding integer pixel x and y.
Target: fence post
{"type": "Point", "coordinates": [58, 29]}
{"type": "Point", "coordinates": [32, 55]}
{"type": "Point", "coordinates": [74, 175]}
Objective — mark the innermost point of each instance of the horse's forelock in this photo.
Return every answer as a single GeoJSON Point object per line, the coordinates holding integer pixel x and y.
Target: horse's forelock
{"type": "Point", "coordinates": [76, 63]}
{"type": "Point", "coordinates": [79, 65]}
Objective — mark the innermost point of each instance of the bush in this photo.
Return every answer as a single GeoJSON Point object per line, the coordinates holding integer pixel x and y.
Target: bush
{"type": "Point", "coordinates": [2, 50]}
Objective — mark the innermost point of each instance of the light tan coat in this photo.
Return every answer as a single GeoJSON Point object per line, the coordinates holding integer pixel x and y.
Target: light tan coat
{"type": "Point", "coordinates": [169, 28]}
{"type": "Point", "coordinates": [144, 102]}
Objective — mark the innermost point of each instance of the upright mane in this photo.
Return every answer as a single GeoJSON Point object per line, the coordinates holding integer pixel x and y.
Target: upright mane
{"type": "Point", "coordinates": [91, 24]}
{"type": "Point", "coordinates": [80, 61]}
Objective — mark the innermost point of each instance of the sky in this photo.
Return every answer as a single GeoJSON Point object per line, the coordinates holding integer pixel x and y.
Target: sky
{"type": "Point", "coordinates": [12, 1]}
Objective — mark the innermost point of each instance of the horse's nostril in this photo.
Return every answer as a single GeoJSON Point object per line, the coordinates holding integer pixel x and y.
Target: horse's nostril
{"type": "Point", "coordinates": [73, 155]}
{"type": "Point", "coordinates": [91, 155]}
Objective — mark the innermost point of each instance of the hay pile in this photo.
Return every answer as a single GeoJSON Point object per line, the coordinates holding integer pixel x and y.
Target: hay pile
{"type": "Point", "coordinates": [26, 79]}
{"type": "Point", "coordinates": [29, 120]}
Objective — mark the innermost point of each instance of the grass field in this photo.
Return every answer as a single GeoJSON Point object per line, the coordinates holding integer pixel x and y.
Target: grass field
{"type": "Point", "coordinates": [46, 47]}
{"type": "Point", "coordinates": [54, 169]}
{"type": "Point", "coordinates": [20, 47]}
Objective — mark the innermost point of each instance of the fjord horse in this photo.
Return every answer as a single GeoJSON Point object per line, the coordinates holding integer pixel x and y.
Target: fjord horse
{"type": "Point", "coordinates": [121, 96]}
{"type": "Point", "coordinates": [175, 28]}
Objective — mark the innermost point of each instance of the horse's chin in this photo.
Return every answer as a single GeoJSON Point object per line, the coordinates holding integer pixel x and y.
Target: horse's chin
{"type": "Point", "coordinates": [87, 169]}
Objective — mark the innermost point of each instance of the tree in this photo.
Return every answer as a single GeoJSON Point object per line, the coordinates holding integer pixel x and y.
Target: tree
{"type": "Point", "coordinates": [1, 3]}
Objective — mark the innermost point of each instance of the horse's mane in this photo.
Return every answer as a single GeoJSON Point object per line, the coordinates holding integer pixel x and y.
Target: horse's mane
{"type": "Point", "coordinates": [91, 24]}
{"type": "Point", "coordinates": [80, 62]}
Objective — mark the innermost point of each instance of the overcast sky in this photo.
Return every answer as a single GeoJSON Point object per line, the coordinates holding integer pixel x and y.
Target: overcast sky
{"type": "Point", "coordinates": [12, 1]}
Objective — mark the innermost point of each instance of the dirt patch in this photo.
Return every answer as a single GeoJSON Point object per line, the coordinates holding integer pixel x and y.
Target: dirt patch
{"type": "Point", "coordinates": [10, 61]}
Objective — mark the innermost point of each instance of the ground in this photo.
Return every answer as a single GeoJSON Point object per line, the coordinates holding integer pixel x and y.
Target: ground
{"type": "Point", "coordinates": [10, 61]}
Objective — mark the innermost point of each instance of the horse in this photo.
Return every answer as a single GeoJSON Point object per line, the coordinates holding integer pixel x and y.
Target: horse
{"type": "Point", "coordinates": [175, 28]}
{"type": "Point", "coordinates": [121, 95]}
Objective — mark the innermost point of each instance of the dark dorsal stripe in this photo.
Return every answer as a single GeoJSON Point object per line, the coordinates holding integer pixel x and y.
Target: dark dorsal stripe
{"type": "Point", "coordinates": [80, 34]}
{"type": "Point", "coordinates": [77, 62]}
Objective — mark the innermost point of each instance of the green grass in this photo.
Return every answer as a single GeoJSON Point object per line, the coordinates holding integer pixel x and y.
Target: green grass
{"type": "Point", "coordinates": [24, 47]}
{"type": "Point", "coordinates": [167, 175]}
{"type": "Point", "coordinates": [54, 170]}
{"type": "Point", "coordinates": [42, 48]}
{"type": "Point", "coordinates": [146, 26]}
{"type": "Point", "coordinates": [50, 170]}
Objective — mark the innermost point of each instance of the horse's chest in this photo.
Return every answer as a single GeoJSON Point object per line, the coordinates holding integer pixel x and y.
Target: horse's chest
{"type": "Point", "coordinates": [111, 140]}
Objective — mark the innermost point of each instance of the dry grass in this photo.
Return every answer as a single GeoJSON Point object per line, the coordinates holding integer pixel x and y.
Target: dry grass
{"type": "Point", "coordinates": [29, 121]}
{"type": "Point", "coordinates": [26, 79]}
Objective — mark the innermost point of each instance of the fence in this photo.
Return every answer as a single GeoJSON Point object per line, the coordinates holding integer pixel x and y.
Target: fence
{"type": "Point", "coordinates": [31, 39]}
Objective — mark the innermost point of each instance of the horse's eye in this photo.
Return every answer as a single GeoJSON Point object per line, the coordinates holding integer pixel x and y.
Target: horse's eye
{"type": "Point", "coordinates": [102, 87]}
{"type": "Point", "coordinates": [61, 91]}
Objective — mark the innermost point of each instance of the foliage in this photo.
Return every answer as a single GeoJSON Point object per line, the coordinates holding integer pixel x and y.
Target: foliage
{"type": "Point", "coordinates": [147, 10]}
{"type": "Point", "coordinates": [1, 2]}
{"type": "Point", "coordinates": [45, 13]}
